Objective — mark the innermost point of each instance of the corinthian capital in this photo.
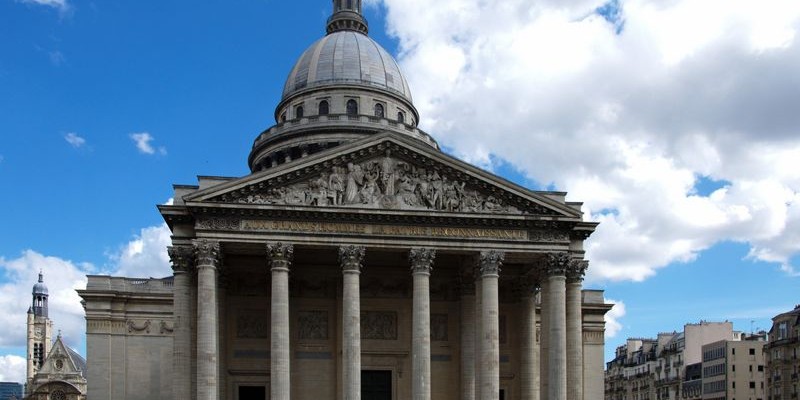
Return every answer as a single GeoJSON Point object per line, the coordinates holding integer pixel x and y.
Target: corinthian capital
{"type": "Point", "coordinates": [280, 255]}
{"type": "Point", "coordinates": [207, 252]}
{"type": "Point", "coordinates": [351, 257]}
{"type": "Point", "coordinates": [421, 260]}
{"type": "Point", "coordinates": [576, 270]}
{"type": "Point", "coordinates": [557, 263]}
{"type": "Point", "coordinates": [181, 257]}
{"type": "Point", "coordinates": [490, 262]}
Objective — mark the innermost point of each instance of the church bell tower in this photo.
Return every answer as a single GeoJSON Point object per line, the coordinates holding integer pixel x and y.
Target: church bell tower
{"type": "Point", "coordinates": [40, 330]}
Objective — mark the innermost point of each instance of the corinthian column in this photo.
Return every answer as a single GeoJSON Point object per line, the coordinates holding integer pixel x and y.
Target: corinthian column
{"type": "Point", "coordinates": [575, 273]}
{"type": "Point", "coordinates": [280, 259]}
{"type": "Point", "coordinates": [557, 318]}
{"type": "Point", "coordinates": [467, 338]}
{"type": "Point", "coordinates": [529, 364]}
{"type": "Point", "coordinates": [182, 258]}
{"type": "Point", "coordinates": [351, 258]}
{"type": "Point", "coordinates": [207, 253]}
{"type": "Point", "coordinates": [421, 266]}
{"type": "Point", "coordinates": [490, 262]}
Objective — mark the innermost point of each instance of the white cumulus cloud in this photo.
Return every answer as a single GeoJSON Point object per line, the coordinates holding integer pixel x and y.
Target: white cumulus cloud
{"type": "Point", "coordinates": [143, 141]}
{"type": "Point", "coordinates": [62, 278]}
{"type": "Point", "coordinates": [12, 369]}
{"type": "Point", "coordinates": [145, 255]}
{"type": "Point", "coordinates": [628, 114]}
{"type": "Point", "coordinates": [613, 317]}
{"type": "Point", "coordinates": [74, 140]}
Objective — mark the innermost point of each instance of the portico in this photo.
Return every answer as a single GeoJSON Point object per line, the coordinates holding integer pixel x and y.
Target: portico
{"type": "Point", "coordinates": [305, 319]}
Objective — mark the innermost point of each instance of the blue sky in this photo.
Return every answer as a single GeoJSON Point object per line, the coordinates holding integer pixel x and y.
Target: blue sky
{"type": "Point", "coordinates": [105, 105]}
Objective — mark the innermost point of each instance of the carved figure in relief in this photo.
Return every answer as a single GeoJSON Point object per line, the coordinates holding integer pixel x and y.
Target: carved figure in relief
{"type": "Point", "coordinates": [336, 185]}
{"type": "Point", "coordinates": [387, 183]}
{"type": "Point", "coordinates": [370, 189]}
{"type": "Point", "coordinates": [355, 178]}
{"type": "Point", "coordinates": [318, 192]}
{"type": "Point", "coordinates": [388, 175]}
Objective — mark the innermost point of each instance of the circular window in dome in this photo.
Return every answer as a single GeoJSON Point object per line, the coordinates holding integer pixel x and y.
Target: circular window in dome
{"type": "Point", "coordinates": [58, 395]}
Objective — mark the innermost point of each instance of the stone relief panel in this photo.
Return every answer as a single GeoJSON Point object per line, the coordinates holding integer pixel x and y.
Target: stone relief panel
{"type": "Point", "coordinates": [439, 327]}
{"type": "Point", "coordinates": [312, 325]}
{"type": "Point", "coordinates": [252, 324]}
{"type": "Point", "coordinates": [379, 325]}
{"type": "Point", "coordinates": [383, 183]}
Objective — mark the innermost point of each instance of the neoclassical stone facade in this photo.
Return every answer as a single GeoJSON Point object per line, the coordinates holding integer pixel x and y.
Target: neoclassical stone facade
{"type": "Point", "coordinates": [358, 261]}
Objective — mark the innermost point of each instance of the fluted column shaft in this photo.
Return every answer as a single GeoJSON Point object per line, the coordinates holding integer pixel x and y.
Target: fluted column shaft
{"type": "Point", "coordinates": [207, 341]}
{"type": "Point", "coordinates": [182, 258]}
{"type": "Point", "coordinates": [575, 329]}
{"type": "Point", "coordinates": [351, 258]}
{"type": "Point", "coordinates": [468, 340]}
{"type": "Point", "coordinates": [280, 259]}
{"type": "Point", "coordinates": [421, 266]}
{"type": "Point", "coordinates": [529, 364]}
{"type": "Point", "coordinates": [557, 350]}
{"type": "Point", "coordinates": [544, 340]}
{"type": "Point", "coordinates": [490, 263]}
{"type": "Point", "coordinates": [478, 331]}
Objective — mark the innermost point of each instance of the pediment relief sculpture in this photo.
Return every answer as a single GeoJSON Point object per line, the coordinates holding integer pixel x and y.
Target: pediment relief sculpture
{"type": "Point", "coordinates": [386, 182]}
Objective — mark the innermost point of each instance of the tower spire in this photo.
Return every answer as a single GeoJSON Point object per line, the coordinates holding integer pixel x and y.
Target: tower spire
{"type": "Point", "coordinates": [347, 17]}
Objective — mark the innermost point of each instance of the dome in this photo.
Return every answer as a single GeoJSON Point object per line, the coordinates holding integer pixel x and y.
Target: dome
{"type": "Point", "coordinates": [346, 57]}
{"type": "Point", "coordinates": [40, 287]}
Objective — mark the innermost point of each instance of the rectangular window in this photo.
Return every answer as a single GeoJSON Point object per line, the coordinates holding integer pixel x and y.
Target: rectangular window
{"type": "Point", "coordinates": [752, 352]}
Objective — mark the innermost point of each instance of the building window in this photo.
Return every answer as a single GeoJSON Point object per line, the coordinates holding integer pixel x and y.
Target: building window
{"type": "Point", "coordinates": [782, 332]}
{"type": "Point", "coordinates": [298, 112]}
{"type": "Point", "coordinates": [352, 108]}
{"type": "Point", "coordinates": [323, 107]}
{"type": "Point", "coordinates": [401, 118]}
{"type": "Point", "coordinates": [58, 395]}
{"type": "Point", "coordinates": [379, 110]}
{"type": "Point", "coordinates": [283, 117]}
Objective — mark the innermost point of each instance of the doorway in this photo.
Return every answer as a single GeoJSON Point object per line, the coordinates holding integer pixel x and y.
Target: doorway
{"type": "Point", "coordinates": [376, 385]}
{"type": "Point", "coordinates": [252, 393]}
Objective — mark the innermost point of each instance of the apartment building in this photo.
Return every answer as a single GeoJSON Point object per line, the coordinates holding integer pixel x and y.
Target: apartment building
{"type": "Point", "coordinates": [781, 356]}
{"type": "Point", "coordinates": [734, 369]}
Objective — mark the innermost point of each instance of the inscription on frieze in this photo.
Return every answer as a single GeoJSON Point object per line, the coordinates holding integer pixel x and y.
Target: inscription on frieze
{"type": "Point", "coordinates": [379, 325]}
{"type": "Point", "coordinates": [439, 327]}
{"type": "Point", "coordinates": [387, 230]}
{"type": "Point", "coordinates": [252, 324]}
{"type": "Point", "coordinates": [312, 325]}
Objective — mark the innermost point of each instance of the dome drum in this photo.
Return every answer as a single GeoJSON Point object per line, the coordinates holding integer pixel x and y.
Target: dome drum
{"type": "Point", "coordinates": [297, 138]}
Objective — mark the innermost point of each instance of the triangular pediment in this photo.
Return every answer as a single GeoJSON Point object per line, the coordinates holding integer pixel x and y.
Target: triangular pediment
{"type": "Point", "coordinates": [59, 361]}
{"type": "Point", "coordinates": [384, 172]}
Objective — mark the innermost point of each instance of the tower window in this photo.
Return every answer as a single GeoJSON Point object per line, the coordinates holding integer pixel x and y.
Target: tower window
{"type": "Point", "coordinates": [352, 108]}
{"type": "Point", "coordinates": [283, 117]}
{"type": "Point", "coordinates": [298, 112]}
{"type": "Point", "coordinates": [379, 110]}
{"type": "Point", "coordinates": [401, 117]}
{"type": "Point", "coordinates": [323, 107]}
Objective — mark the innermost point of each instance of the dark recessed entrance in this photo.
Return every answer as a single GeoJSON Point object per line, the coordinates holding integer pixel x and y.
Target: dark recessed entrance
{"type": "Point", "coordinates": [252, 393]}
{"type": "Point", "coordinates": [376, 385]}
